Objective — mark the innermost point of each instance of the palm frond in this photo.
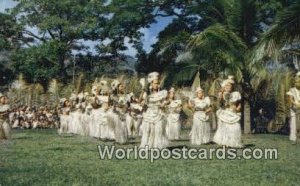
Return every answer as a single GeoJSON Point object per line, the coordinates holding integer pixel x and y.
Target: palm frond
{"type": "Point", "coordinates": [214, 88]}
{"type": "Point", "coordinates": [53, 86]}
{"type": "Point", "coordinates": [162, 79]}
{"type": "Point", "coordinates": [196, 82]}
{"type": "Point", "coordinates": [285, 31]}
{"type": "Point", "coordinates": [217, 48]}
{"type": "Point", "coordinates": [80, 83]}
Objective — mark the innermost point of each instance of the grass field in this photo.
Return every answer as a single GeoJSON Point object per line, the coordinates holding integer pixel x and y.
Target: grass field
{"type": "Point", "coordinates": [41, 157]}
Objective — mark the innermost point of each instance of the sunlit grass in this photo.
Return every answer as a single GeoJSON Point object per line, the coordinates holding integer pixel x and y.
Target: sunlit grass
{"type": "Point", "coordinates": [41, 157]}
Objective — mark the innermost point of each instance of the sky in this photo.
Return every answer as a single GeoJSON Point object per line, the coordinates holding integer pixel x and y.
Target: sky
{"type": "Point", "coordinates": [149, 38]}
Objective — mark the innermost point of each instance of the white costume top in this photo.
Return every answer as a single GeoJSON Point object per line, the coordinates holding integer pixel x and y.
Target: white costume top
{"type": "Point", "coordinates": [3, 109]}
{"type": "Point", "coordinates": [200, 106]}
{"type": "Point", "coordinates": [154, 112]}
{"type": "Point", "coordinates": [175, 106]}
{"type": "Point", "coordinates": [120, 102]}
{"type": "Point", "coordinates": [102, 99]}
{"type": "Point", "coordinates": [227, 115]}
{"type": "Point", "coordinates": [295, 93]}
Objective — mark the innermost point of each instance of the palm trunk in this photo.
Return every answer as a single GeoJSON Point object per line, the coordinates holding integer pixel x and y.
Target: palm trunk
{"type": "Point", "coordinates": [247, 117]}
{"type": "Point", "coordinates": [214, 121]}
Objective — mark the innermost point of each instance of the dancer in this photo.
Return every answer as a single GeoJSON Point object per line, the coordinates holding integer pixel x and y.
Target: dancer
{"type": "Point", "coordinates": [173, 117]}
{"type": "Point", "coordinates": [4, 112]}
{"type": "Point", "coordinates": [294, 98]}
{"type": "Point", "coordinates": [154, 135]}
{"type": "Point", "coordinates": [229, 116]}
{"type": "Point", "coordinates": [200, 133]}
{"type": "Point", "coordinates": [94, 126]}
{"type": "Point", "coordinates": [134, 118]}
{"type": "Point", "coordinates": [142, 102]}
{"type": "Point", "coordinates": [78, 115]}
{"type": "Point", "coordinates": [120, 102]}
{"type": "Point", "coordinates": [86, 118]}
{"type": "Point", "coordinates": [64, 116]}
{"type": "Point", "coordinates": [105, 123]}
{"type": "Point", "coordinates": [71, 126]}
{"type": "Point", "coordinates": [100, 119]}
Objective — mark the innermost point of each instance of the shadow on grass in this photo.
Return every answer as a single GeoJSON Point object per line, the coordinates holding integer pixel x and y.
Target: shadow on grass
{"type": "Point", "coordinates": [210, 143]}
{"type": "Point", "coordinates": [66, 135]}
{"type": "Point", "coordinates": [177, 147]}
{"type": "Point", "coordinates": [22, 137]}
{"type": "Point", "coordinates": [106, 140]}
{"type": "Point", "coordinates": [133, 143]}
{"type": "Point", "coordinates": [248, 145]}
{"type": "Point", "coordinates": [179, 140]}
{"type": "Point", "coordinates": [58, 149]}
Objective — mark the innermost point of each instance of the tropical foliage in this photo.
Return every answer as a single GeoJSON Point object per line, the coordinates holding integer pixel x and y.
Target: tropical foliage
{"type": "Point", "coordinates": [255, 40]}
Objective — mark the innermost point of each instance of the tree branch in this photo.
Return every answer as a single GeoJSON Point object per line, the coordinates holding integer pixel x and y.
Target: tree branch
{"type": "Point", "coordinates": [35, 36]}
{"type": "Point", "coordinates": [51, 34]}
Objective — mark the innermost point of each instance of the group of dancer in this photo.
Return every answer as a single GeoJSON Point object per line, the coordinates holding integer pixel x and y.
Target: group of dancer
{"type": "Point", "coordinates": [109, 113]}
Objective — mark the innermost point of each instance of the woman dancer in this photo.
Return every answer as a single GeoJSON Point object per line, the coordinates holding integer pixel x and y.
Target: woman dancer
{"type": "Point", "coordinates": [134, 118]}
{"type": "Point", "coordinates": [71, 126]}
{"type": "Point", "coordinates": [4, 112]}
{"type": "Point", "coordinates": [173, 118]}
{"type": "Point", "coordinates": [200, 133]}
{"type": "Point", "coordinates": [294, 98]}
{"type": "Point", "coordinates": [101, 119]}
{"type": "Point", "coordinates": [94, 127]}
{"type": "Point", "coordinates": [154, 135]}
{"type": "Point", "coordinates": [79, 115]}
{"type": "Point", "coordinates": [120, 102]}
{"type": "Point", "coordinates": [64, 116]}
{"type": "Point", "coordinates": [229, 116]}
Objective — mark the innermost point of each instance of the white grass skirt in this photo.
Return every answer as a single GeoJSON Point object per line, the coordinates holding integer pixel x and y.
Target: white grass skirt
{"type": "Point", "coordinates": [173, 126]}
{"type": "Point", "coordinates": [200, 133]}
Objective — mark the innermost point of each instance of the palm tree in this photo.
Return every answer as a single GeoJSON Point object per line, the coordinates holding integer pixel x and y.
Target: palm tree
{"type": "Point", "coordinates": [223, 45]}
{"type": "Point", "coordinates": [274, 44]}
{"type": "Point", "coordinates": [223, 48]}
{"type": "Point", "coordinates": [223, 52]}
{"type": "Point", "coordinates": [285, 31]}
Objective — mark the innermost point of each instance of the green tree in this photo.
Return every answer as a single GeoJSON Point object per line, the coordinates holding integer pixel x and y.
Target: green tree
{"type": "Point", "coordinates": [10, 33]}
{"type": "Point", "coordinates": [222, 36]}
{"type": "Point", "coordinates": [56, 23]}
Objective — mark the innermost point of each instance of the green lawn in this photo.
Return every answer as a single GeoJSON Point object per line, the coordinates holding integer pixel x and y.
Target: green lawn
{"type": "Point", "coordinates": [41, 157]}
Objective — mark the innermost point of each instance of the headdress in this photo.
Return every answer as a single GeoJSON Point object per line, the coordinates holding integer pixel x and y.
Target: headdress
{"type": "Point", "coordinates": [234, 97]}
{"type": "Point", "coordinates": [172, 89]}
{"type": "Point", "coordinates": [152, 76]}
{"type": "Point", "coordinates": [199, 89]}
{"type": "Point", "coordinates": [230, 80]}
{"type": "Point", "coordinates": [114, 84]}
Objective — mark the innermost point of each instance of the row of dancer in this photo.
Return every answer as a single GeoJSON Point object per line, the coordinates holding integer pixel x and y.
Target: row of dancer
{"type": "Point", "coordinates": [229, 129]}
{"type": "Point", "coordinates": [111, 114]}
{"type": "Point", "coordinates": [154, 114]}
